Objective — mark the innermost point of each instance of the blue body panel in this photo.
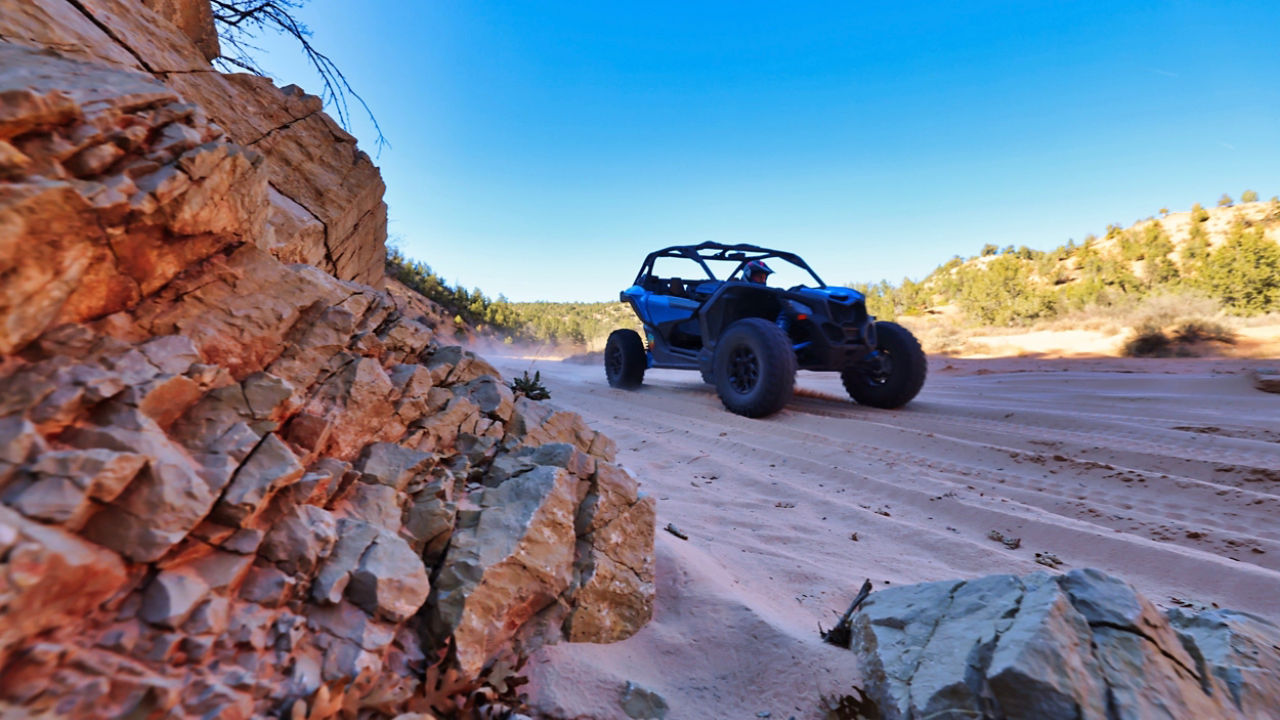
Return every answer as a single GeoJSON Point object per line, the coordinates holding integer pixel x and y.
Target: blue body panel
{"type": "Point", "coordinates": [844, 296]}
{"type": "Point", "coordinates": [662, 309]}
{"type": "Point", "coordinates": [656, 310]}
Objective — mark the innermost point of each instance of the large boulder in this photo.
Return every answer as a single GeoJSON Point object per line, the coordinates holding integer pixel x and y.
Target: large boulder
{"type": "Point", "coordinates": [1080, 645]}
{"type": "Point", "coordinates": [508, 559]}
{"type": "Point", "coordinates": [615, 575]}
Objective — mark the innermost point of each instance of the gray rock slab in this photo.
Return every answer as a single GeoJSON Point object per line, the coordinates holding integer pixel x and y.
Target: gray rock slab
{"type": "Point", "coordinates": [391, 580]}
{"type": "Point", "coordinates": [1238, 650]}
{"type": "Point", "coordinates": [302, 538]}
{"type": "Point", "coordinates": [354, 537]}
{"type": "Point", "coordinates": [270, 466]}
{"type": "Point", "coordinates": [375, 504]}
{"type": "Point", "coordinates": [171, 596]}
{"type": "Point", "coordinates": [1083, 645]}
{"type": "Point", "coordinates": [391, 464]}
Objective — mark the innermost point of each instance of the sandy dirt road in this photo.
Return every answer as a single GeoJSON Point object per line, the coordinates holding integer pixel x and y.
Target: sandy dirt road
{"type": "Point", "coordinates": [1164, 473]}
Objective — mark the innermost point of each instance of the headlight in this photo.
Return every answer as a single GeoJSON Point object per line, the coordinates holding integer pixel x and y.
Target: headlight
{"type": "Point", "coordinates": [800, 309]}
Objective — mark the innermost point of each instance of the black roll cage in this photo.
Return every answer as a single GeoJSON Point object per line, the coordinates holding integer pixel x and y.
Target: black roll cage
{"type": "Point", "coordinates": [719, 251]}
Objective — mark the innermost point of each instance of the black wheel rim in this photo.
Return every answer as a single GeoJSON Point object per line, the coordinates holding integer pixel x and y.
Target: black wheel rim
{"type": "Point", "coordinates": [879, 369]}
{"type": "Point", "coordinates": [744, 369]}
{"type": "Point", "coordinates": [613, 361]}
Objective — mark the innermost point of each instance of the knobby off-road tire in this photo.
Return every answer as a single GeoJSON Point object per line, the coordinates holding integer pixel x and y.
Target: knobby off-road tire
{"type": "Point", "coordinates": [708, 376]}
{"type": "Point", "coordinates": [624, 359]}
{"type": "Point", "coordinates": [898, 380]}
{"type": "Point", "coordinates": [754, 368]}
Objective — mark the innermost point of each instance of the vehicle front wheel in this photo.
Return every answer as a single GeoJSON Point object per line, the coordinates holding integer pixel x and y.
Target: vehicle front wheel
{"type": "Point", "coordinates": [754, 368]}
{"type": "Point", "coordinates": [893, 374]}
{"type": "Point", "coordinates": [624, 359]}
{"type": "Point", "coordinates": [708, 376]}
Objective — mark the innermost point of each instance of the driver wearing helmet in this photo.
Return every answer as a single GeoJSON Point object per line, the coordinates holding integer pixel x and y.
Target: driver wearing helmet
{"type": "Point", "coordinates": [756, 272]}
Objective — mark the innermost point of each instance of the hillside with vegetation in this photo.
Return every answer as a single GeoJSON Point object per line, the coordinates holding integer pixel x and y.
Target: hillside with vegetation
{"type": "Point", "coordinates": [579, 325]}
{"type": "Point", "coordinates": [1228, 254]}
{"type": "Point", "coordinates": [1195, 272]}
{"type": "Point", "coordinates": [1175, 279]}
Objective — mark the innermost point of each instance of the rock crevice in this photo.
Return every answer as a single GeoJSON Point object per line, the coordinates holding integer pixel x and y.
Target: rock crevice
{"type": "Point", "coordinates": [106, 30]}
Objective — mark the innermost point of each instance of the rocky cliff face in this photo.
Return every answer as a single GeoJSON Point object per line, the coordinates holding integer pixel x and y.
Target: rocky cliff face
{"type": "Point", "coordinates": [236, 478]}
{"type": "Point", "coordinates": [323, 204]}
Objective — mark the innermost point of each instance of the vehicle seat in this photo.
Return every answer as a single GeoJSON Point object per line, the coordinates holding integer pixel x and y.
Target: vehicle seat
{"type": "Point", "coordinates": [676, 288]}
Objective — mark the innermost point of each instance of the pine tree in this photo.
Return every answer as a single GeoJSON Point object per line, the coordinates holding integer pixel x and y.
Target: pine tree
{"type": "Point", "coordinates": [1245, 272]}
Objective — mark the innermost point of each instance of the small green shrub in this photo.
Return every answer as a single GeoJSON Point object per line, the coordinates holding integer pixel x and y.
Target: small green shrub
{"type": "Point", "coordinates": [531, 387]}
{"type": "Point", "coordinates": [1166, 308]}
{"type": "Point", "coordinates": [1148, 341]}
{"type": "Point", "coordinates": [1151, 339]}
{"type": "Point", "coordinates": [1203, 330]}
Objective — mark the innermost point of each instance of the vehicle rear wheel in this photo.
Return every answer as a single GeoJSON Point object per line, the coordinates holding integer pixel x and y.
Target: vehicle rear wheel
{"type": "Point", "coordinates": [624, 359]}
{"type": "Point", "coordinates": [893, 375]}
{"type": "Point", "coordinates": [754, 368]}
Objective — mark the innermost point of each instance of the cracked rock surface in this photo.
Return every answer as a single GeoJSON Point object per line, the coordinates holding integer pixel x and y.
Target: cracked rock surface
{"type": "Point", "coordinates": [1080, 645]}
{"type": "Point", "coordinates": [321, 198]}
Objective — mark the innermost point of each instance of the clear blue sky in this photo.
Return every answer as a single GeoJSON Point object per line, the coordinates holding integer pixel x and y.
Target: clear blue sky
{"type": "Point", "coordinates": [540, 149]}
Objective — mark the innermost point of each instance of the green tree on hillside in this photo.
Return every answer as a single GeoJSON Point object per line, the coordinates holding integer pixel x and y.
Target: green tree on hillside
{"type": "Point", "coordinates": [1103, 274]}
{"type": "Point", "coordinates": [1245, 272]}
{"type": "Point", "coordinates": [1001, 293]}
{"type": "Point", "coordinates": [1225, 200]}
{"type": "Point", "coordinates": [1249, 196]}
{"type": "Point", "coordinates": [1154, 248]}
{"type": "Point", "coordinates": [1195, 251]}
{"type": "Point", "coordinates": [1018, 285]}
{"type": "Point", "coordinates": [889, 302]}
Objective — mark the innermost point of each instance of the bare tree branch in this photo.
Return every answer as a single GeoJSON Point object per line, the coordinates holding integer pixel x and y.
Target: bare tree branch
{"type": "Point", "coordinates": [239, 22]}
